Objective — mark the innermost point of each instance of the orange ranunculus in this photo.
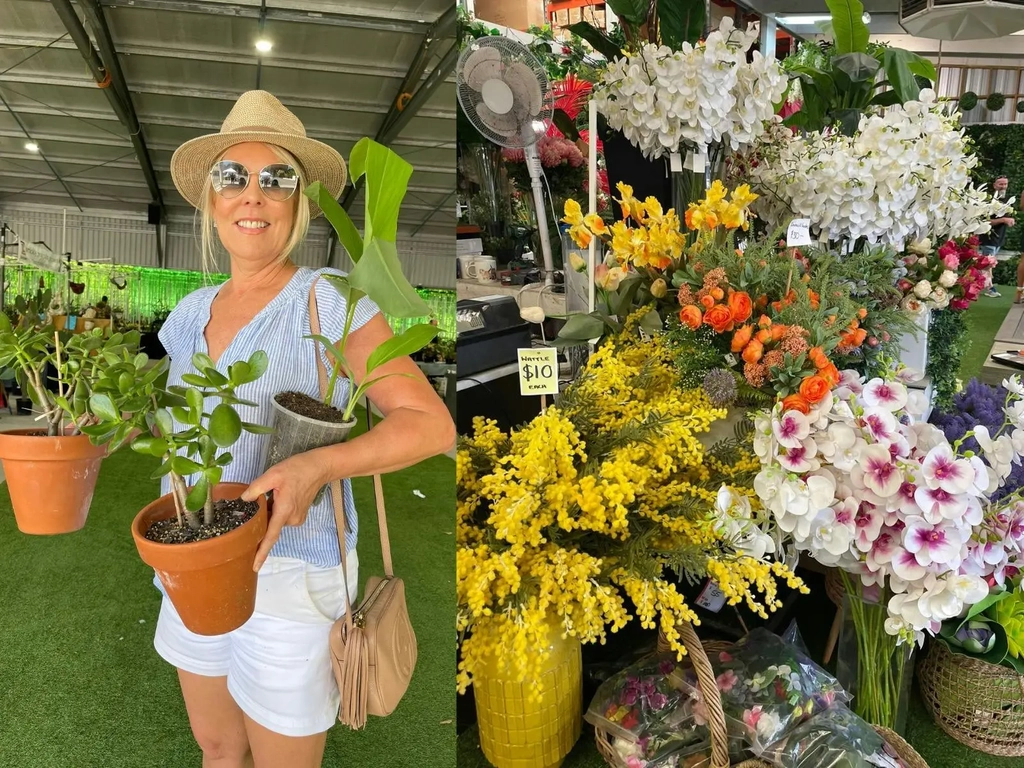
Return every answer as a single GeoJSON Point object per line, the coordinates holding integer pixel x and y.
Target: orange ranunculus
{"type": "Point", "coordinates": [753, 351]}
{"type": "Point", "coordinates": [815, 299]}
{"type": "Point", "coordinates": [707, 301]}
{"type": "Point", "coordinates": [778, 331]}
{"type": "Point", "coordinates": [796, 403]}
{"type": "Point", "coordinates": [762, 302]}
{"type": "Point", "coordinates": [740, 306]}
{"type": "Point", "coordinates": [830, 321]}
{"type": "Point", "coordinates": [817, 356]}
{"type": "Point", "coordinates": [691, 317]}
{"type": "Point", "coordinates": [764, 335]}
{"type": "Point", "coordinates": [741, 338]}
{"type": "Point", "coordinates": [717, 294]}
{"type": "Point", "coordinates": [830, 373]}
{"type": "Point", "coordinates": [862, 313]}
{"type": "Point", "coordinates": [814, 388]}
{"type": "Point", "coordinates": [764, 321]}
{"type": "Point", "coordinates": [858, 336]}
{"type": "Point", "coordinates": [719, 317]}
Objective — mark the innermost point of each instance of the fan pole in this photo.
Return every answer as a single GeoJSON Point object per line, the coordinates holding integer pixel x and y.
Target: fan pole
{"type": "Point", "coordinates": [533, 164]}
{"type": "Point", "coordinates": [592, 170]}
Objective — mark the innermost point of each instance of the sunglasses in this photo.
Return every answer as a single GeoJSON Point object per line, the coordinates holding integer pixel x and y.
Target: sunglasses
{"type": "Point", "coordinates": [278, 180]}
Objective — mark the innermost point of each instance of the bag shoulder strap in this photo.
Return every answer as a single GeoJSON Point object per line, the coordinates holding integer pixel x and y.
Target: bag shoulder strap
{"type": "Point", "coordinates": [336, 485]}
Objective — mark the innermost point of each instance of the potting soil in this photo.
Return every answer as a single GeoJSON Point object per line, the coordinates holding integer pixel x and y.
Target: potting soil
{"type": "Point", "coordinates": [304, 405]}
{"type": "Point", "coordinates": [228, 514]}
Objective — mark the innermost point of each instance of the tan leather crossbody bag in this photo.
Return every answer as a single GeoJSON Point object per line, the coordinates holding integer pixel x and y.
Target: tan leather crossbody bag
{"type": "Point", "coordinates": [373, 646]}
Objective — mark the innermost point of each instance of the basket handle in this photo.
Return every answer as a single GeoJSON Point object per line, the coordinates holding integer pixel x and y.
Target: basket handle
{"type": "Point", "coordinates": [712, 696]}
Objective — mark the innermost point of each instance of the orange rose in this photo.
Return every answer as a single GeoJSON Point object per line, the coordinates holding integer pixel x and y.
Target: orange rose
{"type": "Point", "coordinates": [742, 338]}
{"type": "Point", "coordinates": [691, 317]}
{"type": "Point", "coordinates": [796, 403]}
{"type": "Point", "coordinates": [817, 356]}
{"type": "Point", "coordinates": [814, 388]}
{"type": "Point", "coordinates": [740, 306]}
{"type": "Point", "coordinates": [719, 317]}
{"type": "Point", "coordinates": [707, 301]}
{"type": "Point", "coordinates": [830, 374]}
{"type": "Point", "coordinates": [764, 335]}
{"type": "Point", "coordinates": [753, 351]}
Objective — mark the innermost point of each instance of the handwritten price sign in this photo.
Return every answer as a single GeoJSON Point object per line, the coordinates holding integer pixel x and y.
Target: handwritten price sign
{"type": "Point", "coordinates": [538, 371]}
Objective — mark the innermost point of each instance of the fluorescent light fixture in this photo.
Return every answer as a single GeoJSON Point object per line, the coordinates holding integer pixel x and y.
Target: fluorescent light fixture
{"type": "Point", "coordinates": [801, 19]}
{"type": "Point", "coordinates": [32, 147]}
{"type": "Point", "coordinates": [264, 46]}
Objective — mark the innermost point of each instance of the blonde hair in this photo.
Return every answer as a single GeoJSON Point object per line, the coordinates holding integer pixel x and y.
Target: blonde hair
{"type": "Point", "coordinates": [300, 222]}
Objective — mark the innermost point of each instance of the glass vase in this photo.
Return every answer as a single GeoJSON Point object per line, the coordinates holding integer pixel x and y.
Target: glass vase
{"type": "Point", "coordinates": [872, 665]}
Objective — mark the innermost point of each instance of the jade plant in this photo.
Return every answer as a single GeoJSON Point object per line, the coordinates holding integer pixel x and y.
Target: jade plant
{"type": "Point", "coordinates": [31, 347]}
{"type": "Point", "coordinates": [376, 271]}
{"type": "Point", "coordinates": [126, 408]}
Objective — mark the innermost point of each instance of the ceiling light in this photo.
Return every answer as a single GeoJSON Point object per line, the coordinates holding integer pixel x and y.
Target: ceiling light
{"type": "Point", "coordinates": [264, 45]}
{"type": "Point", "coordinates": [866, 18]}
{"type": "Point", "coordinates": [803, 18]}
{"type": "Point", "coordinates": [32, 147]}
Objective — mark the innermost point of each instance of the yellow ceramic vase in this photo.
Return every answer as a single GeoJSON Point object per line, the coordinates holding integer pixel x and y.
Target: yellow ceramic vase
{"type": "Point", "coordinates": [518, 733]}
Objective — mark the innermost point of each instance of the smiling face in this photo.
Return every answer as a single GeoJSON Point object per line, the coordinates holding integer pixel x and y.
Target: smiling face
{"type": "Point", "coordinates": [1001, 184]}
{"type": "Point", "coordinates": [252, 227]}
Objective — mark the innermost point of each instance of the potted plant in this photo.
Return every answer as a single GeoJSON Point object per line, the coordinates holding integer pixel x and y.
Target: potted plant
{"type": "Point", "coordinates": [302, 423]}
{"type": "Point", "coordinates": [51, 471]}
{"type": "Point", "coordinates": [203, 560]}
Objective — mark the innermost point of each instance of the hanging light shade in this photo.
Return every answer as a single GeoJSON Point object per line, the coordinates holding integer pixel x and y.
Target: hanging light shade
{"type": "Point", "coordinates": [961, 19]}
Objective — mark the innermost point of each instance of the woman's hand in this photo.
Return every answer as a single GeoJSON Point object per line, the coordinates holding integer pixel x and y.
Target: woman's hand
{"type": "Point", "coordinates": [295, 483]}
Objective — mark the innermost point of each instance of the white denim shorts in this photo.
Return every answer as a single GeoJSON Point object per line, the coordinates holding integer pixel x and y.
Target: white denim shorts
{"type": "Point", "coordinates": [278, 664]}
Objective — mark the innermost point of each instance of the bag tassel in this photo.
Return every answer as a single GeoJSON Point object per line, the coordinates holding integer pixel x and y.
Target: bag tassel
{"type": "Point", "coordinates": [357, 670]}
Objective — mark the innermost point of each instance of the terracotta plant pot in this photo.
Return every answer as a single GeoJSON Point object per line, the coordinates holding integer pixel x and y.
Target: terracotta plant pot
{"type": "Point", "coordinates": [211, 583]}
{"type": "Point", "coordinates": [51, 479]}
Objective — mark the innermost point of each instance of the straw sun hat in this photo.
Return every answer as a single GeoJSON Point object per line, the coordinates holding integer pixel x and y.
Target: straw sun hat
{"type": "Point", "coordinates": [257, 116]}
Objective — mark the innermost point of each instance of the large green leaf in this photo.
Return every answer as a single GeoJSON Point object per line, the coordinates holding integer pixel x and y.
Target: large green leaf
{"type": "Point", "coordinates": [410, 340]}
{"type": "Point", "coordinates": [680, 21]}
{"type": "Point", "coordinates": [565, 124]}
{"type": "Point", "coordinates": [101, 405]}
{"type": "Point", "coordinates": [194, 398]}
{"type": "Point", "coordinates": [184, 465]}
{"type": "Point", "coordinates": [379, 275]}
{"type": "Point", "coordinates": [633, 11]}
{"type": "Point", "coordinates": [258, 364]}
{"type": "Point", "coordinates": [851, 33]}
{"type": "Point", "coordinates": [225, 425]}
{"type": "Point", "coordinates": [582, 328]}
{"type": "Point", "coordinates": [152, 446]}
{"type": "Point", "coordinates": [859, 67]}
{"type": "Point", "coordinates": [597, 39]}
{"type": "Point", "coordinates": [898, 73]}
{"type": "Point", "coordinates": [387, 179]}
{"type": "Point", "coordinates": [339, 218]}
{"type": "Point", "coordinates": [345, 289]}
{"type": "Point", "coordinates": [197, 496]}
{"type": "Point", "coordinates": [995, 655]}
{"type": "Point", "coordinates": [257, 429]}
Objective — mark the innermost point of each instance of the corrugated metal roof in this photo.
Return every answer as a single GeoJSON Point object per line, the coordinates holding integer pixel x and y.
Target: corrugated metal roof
{"type": "Point", "coordinates": [337, 65]}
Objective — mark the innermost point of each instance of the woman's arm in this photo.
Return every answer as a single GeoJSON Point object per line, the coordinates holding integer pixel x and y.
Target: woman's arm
{"type": "Point", "coordinates": [416, 426]}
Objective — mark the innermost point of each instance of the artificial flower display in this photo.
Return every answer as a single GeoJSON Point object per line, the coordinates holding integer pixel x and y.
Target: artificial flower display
{"type": "Point", "coordinates": [953, 276]}
{"type": "Point", "coordinates": [583, 516]}
{"type": "Point", "coordinates": [664, 100]}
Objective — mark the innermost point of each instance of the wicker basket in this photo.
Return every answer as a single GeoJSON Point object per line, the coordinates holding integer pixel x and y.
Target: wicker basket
{"type": "Point", "coordinates": [978, 704]}
{"type": "Point", "coordinates": [698, 654]}
{"type": "Point", "coordinates": [834, 587]}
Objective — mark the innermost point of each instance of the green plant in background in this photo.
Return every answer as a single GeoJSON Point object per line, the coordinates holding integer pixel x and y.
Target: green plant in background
{"type": "Point", "coordinates": [125, 406]}
{"type": "Point", "coordinates": [377, 271]}
{"type": "Point", "coordinates": [561, 58]}
{"type": "Point", "coordinates": [947, 342]}
{"type": "Point", "coordinates": [1000, 151]}
{"type": "Point", "coordinates": [968, 101]}
{"type": "Point", "coordinates": [1005, 272]}
{"type": "Point", "coordinates": [1020, 106]}
{"type": "Point", "coordinates": [992, 630]}
{"type": "Point", "coordinates": [844, 83]}
{"type": "Point", "coordinates": [995, 102]}
{"type": "Point", "coordinates": [646, 21]}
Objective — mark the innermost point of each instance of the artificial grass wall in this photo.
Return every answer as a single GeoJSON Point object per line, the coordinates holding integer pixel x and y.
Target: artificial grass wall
{"type": "Point", "coordinates": [82, 687]}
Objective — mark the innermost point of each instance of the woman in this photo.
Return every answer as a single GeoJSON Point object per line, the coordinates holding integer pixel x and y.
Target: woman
{"type": "Point", "coordinates": [264, 695]}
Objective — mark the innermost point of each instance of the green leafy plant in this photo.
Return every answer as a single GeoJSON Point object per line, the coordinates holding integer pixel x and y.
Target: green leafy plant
{"type": "Point", "coordinates": [377, 271]}
{"type": "Point", "coordinates": [992, 630]}
{"type": "Point", "coordinates": [31, 347]}
{"type": "Point", "coordinates": [995, 102]}
{"type": "Point", "coordinates": [646, 21]}
{"type": "Point", "coordinates": [126, 406]}
{"type": "Point", "coordinates": [846, 83]}
{"type": "Point", "coordinates": [968, 101]}
{"type": "Point", "coordinates": [947, 342]}
{"type": "Point", "coordinates": [1020, 106]}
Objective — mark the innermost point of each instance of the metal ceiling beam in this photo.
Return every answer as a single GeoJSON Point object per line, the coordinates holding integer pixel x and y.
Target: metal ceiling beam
{"type": "Point", "coordinates": [160, 89]}
{"type": "Point", "coordinates": [221, 57]}
{"type": "Point", "coordinates": [41, 153]}
{"type": "Point", "coordinates": [433, 212]}
{"type": "Point", "coordinates": [378, 21]}
{"type": "Point", "coordinates": [108, 76]}
{"type": "Point", "coordinates": [213, 125]}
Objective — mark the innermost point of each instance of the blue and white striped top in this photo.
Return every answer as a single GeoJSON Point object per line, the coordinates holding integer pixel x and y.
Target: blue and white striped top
{"type": "Point", "coordinates": [278, 330]}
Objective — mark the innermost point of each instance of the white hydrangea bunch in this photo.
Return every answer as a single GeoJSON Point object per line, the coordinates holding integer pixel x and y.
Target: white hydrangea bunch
{"type": "Point", "coordinates": [662, 99]}
{"type": "Point", "coordinates": [905, 175]}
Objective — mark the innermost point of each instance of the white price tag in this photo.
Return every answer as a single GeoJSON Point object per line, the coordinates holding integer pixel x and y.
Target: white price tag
{"type": "Point", "coordinates": [538, 371]}
{"type": "Point", "coordinates": [700, 161]}
{"type": "Point", "coordinates": [799, 233]}
{"type": "Point", "coordinates": [711, 597]}
{"type": "Point", "coordinates": [675, 162]}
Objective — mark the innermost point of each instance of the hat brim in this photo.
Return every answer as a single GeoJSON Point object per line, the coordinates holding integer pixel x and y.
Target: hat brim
{"type": "Point", "coordinates": [192, 161]}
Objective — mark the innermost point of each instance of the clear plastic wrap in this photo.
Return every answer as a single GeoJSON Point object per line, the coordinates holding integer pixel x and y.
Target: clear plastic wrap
{"type": "Point", "coordinates": [836, 738]}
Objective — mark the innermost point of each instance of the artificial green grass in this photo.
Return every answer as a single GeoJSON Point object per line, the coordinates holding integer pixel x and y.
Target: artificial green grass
{"type": "Point", "coordinates": [983, 318]}
{"type": "Point", "coordinates": [82, 687]}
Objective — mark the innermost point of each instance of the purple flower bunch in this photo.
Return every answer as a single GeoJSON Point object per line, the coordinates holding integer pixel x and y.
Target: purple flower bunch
{"type": "Point", "coordinates": [977, 404]}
